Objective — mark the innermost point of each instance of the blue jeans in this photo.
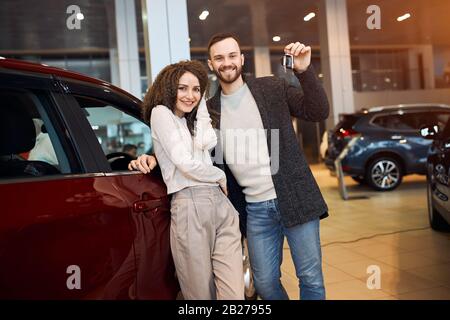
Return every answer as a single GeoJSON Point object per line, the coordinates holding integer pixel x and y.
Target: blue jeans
{"type": "Point", "coordinates": [265, 236]}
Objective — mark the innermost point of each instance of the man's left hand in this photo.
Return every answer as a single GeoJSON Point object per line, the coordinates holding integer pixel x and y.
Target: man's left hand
{"type": "Point", "coordinates": [302, 55]}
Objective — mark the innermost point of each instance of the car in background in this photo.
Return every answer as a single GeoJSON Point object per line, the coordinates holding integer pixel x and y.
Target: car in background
{"type": "Point", "coordinates": [74, 222]}
{"type": "Point", "coordinates": [438, 171]}
{"type": "Point", "coordinates": [384, 143]}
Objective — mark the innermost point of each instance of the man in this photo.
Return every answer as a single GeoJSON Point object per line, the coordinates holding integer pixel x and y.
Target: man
{"type": "Point", "coordinates": [276, 193]}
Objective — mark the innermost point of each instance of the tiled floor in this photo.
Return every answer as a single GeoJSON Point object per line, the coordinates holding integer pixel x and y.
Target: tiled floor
{"type": "Point", "coordinates": [385, 229]}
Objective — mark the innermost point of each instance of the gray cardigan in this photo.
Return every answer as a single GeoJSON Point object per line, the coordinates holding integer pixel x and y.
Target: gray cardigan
{"type": "Point", "coordinates": [298, 194]}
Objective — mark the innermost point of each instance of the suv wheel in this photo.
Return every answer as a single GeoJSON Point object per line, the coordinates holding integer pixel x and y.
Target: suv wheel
{"type": "Point", "coordinates": [436, 221]}
{"type": "Point", "coordinates": [384, 174]}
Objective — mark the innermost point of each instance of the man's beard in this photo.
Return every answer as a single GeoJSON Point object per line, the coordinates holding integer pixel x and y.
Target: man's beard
{"type": "Point", "coordinates": [226, 79]}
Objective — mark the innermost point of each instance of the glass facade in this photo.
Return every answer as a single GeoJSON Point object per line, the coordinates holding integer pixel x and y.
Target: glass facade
{"type": "Point", "coordinates": [401, 55]}
{"type": "Point", "coordinates": [57, 34]}
{"type": "Point", "coordinates": [256, 23]}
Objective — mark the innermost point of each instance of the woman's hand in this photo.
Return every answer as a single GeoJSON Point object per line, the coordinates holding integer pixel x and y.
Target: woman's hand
{"type": "Point", "coordinates": [223, 186]}
{"type": "Point", "coordinates": [225, 190]}
{"type": "Point", "coordinates": [143, 163]}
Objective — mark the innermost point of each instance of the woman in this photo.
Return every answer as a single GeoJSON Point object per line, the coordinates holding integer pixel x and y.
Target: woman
{"type": "Point", "coordinates": [204, 234]}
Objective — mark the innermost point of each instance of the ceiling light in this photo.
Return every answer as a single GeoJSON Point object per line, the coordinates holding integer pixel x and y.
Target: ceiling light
{"type": "Point", "coordinates": [276, 38]}
{"type": "Point", "coordinates": [204, 15]}
{"type": "Point", "coordinates": [309, 16]}
{"type": "Point", "coordinates": [404, 17]}
{"type": "Point", "coordinates": [80, 16]}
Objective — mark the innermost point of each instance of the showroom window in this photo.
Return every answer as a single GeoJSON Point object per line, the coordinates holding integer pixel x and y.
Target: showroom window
{"type": "Point", "coordinates": [410, 50]}
{"type": "Point", "coordinates": [263, 28]}
{"type": "Point", "coordinates": [50, 35]}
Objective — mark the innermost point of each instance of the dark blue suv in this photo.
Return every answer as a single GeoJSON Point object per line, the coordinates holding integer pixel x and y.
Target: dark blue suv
{"type": "Point", "coordinates": [383, 144]}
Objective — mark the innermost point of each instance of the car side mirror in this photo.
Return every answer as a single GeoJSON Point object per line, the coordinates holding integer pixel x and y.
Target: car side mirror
{"type": "Point", "coordinates": [430, 132]}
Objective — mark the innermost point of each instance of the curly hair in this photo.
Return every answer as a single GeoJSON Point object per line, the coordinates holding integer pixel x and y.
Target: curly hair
{"type": "Point", "coordinates": [165, 88]}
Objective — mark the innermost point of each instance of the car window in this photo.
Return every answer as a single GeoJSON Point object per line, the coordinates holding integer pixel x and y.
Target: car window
{"type": "Point", "coordinates": [405, 121]}
{"type": "Point", "coordinates": [29, 144]}
{"type": "Point", "coordinates": [413, 120]}
{"type": "Point", "coordinates": [118, 133]}
{"type": "Point", "coordinates": [433, 118]}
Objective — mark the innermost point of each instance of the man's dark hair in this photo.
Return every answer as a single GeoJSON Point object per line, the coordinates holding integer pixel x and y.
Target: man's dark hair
{"type": "Point", "coordinates": [128, 147]}
{"type": "Point", "coordinates": [222, 36]}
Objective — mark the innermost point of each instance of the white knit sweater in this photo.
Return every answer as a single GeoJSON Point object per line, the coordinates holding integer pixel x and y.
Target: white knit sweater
{"type": "Point", "coordinates": [185, 160]}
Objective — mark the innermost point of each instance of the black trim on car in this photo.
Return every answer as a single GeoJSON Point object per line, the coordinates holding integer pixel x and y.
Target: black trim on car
{"type": "Point", "coordinates": [132, 106]}
{"type": "Point", "coordinates": [85, 141]}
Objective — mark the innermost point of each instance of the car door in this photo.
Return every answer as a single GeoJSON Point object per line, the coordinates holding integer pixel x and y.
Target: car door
{"type": "Point", "coordinates": [423, 119]}
{"type": "Point", "coordinates": [440, 166]}
{"type": "Point", "coordinates": [116, 123]}
{"type": "Point", "coordinates": [402, 136]}
{"type": "Point", "coordinates": [65, 230]}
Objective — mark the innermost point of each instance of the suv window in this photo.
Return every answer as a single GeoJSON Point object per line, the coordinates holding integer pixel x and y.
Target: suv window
{"type": "Point", "coordinates": [412, 121]}
{"type": "Point", "coordinates": [407, 121]}
{"type": "Point", "coordinates": [29, 144]}
{"type": "Point", "coordinates": [433, 118]}
{"type": "Point", "coordinates": [117, 132]}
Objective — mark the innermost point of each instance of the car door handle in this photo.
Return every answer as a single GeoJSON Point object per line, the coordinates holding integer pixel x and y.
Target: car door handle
{"type": "Point", "coordinates": [397, 137]}
{"type": "Point", "coordinates": [146, 205]}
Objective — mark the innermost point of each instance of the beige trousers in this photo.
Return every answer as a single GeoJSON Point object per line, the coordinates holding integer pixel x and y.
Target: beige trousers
{"type": "Point", "coordinates": [206, 244]}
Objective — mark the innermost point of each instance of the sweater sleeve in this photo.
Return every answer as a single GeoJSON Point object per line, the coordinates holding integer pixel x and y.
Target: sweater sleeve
{"type": "Point", "coordinates": [205, 138]}
{"type": "Point", "coordinates": [311, 104]}
{"type": "Point", "coordinates": [165, 130]}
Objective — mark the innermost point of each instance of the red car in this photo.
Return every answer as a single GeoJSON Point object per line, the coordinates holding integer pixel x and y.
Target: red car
{"type": "Point", "coordinates": [74, 222]}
